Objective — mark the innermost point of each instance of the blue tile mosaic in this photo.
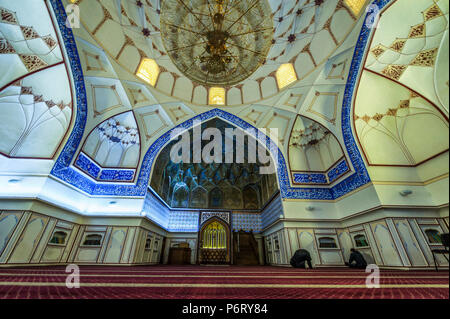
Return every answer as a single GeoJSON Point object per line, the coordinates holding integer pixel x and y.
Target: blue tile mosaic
{"type": "Point", "coordinates": [184, 222]}
{"type": "Point", "coordinates": [87, 165]}
{"type": "Point", "coordinates": [339, 170]}
{"type": "Point", "coordinates": [64, 171]}
{"type": "Point", "coordinates": [272, 212]}
{"type": "Point", "coordinates": [119, 175]}
{"type": "Point", "coordinates": [305, 178]}
{"type": "Point", "coordinates": [248, 222]}
{"type": "Point", "coordinates": [156, 210]}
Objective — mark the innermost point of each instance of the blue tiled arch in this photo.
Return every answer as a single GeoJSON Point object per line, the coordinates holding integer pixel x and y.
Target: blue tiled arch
{"type": "Point", "coordinates": [63, 170]}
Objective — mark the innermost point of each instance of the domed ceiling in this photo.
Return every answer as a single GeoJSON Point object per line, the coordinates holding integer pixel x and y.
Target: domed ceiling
{"type": "Point", "coordinates": [401, 105]}
{"type": "Point", "coordinates": [217, 43]}
{"type": "Point", "coordinates": [130, 91]}
{"type": "Point", "coordinates": [305, 34]}
{"type": "Point", "coordinates": [213, 185]}
{"type": "Point", "coordinates": [135, 93]}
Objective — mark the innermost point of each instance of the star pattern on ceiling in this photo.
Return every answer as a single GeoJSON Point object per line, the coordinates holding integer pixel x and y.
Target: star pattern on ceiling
{"type": "Point", "coordinates": [317, 38]}
{"type": "Point", "coordinates": [305, 34]}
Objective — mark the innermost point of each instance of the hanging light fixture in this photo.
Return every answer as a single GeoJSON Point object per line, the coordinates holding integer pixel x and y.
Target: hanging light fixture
{"type": "Point", "coordinates": [217, 42]}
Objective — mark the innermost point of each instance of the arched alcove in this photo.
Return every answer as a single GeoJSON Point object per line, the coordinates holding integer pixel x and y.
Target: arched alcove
{"type": "Point", "coordinates": [232, 183]}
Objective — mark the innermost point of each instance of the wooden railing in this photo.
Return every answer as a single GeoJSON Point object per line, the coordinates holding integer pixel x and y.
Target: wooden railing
{"type": "Point", "coordinates": [254, 244]}
{"type": "Point", "coordinates": [247, 242]}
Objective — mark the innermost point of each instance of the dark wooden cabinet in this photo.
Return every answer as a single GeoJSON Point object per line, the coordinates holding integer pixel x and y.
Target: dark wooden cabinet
{"type": "Point", "coordinates": [179, 256]}
{"type": "Point", "coordinates": [214, 256]}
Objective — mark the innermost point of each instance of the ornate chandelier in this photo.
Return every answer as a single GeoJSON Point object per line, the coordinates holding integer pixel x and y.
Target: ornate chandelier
{"type": "Point", "coordinates": [217, 42]}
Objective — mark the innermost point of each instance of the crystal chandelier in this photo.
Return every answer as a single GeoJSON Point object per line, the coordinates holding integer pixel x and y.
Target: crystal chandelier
{"type": "Point", "coordinates": [217, 42]}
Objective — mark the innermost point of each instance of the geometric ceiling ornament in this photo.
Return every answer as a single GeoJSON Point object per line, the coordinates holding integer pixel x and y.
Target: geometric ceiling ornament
{"type": "Point", "coordinates": [398, 45]}
{"type": "Point", "coordinates": [178, 112]}
{"type": "Point", "coordinates": [7, 16]}
{"type": "Point", "coordinates": [389, 127]}
{"type": "Point", "coordinates": [29, 33]}
{"type": "Point", "coordinates": [324, 105]}
{"type": "Point", "coordinates": [105, 98]}
{"type": "Point", "coordinates": [293, 100]}
{"type": "Point", "coordinates": [394, 71]}
{"type": "Point", "coordinates": [337, 71]}
{"type": "Point", "coordinates": [217, 42]}
{"type": "Point", "coordinates": [415, 44]}
{"type": "Point", "coordinates": [253, 116]}
{"type": "Point", "coordinates": [313, 148]}
{"type": "Point", "coordinates": [378, 51]}
{"type": "Point", "coordinates": [425, 58]}
{"type": "Point", "coordinates": [280, 122]}
{"type": "Point", "coordinates": [93, 62]}
{"type": "Point", "coordinates": [137, 96]}
{"type": "Point", "coordinates": [32, 62]}
{"type": "Point", "coordinates": [26, 45]}
{"type": "Point", "coordinates": [34, 118]}
{"type": "Point", "coordinates": [115, 143]}
{"type": "Point", "coordinates": [432, 12]}
{"type": "Point", "coordinates": [153, 123]}
{"type": "Point", "coordinates": [6, 47]}
{"type": "Point", "coordinates": [417, 31]}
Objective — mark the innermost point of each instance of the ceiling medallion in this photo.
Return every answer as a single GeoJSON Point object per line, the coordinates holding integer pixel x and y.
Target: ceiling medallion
{"type": "Point", "coordinates": [217, 42]}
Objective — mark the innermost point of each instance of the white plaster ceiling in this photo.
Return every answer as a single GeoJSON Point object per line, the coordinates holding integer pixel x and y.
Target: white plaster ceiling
{"type": "Point", "coordinates": [111, 45]}
{"type": "Point", "coordinates": [325, 35]}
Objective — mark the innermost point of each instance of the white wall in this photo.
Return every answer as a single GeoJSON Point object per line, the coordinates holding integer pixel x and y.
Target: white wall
{"type": "Point", "coordinates": [395, 237]}
{"type": "Point", "coordinates": [25, 237]}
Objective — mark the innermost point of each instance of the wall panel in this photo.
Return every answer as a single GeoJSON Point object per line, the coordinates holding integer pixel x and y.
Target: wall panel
{"type": "Point", "coordinates": [39, 251]}
{"type": "Point", "coordinates": [390, 242]}
{"type": "Point", "coordinates": [410, 243]}
{"type": "Point", "coordinates": [115, 246]}
{"type": "Point", "coordinates": [52, 254]}
{"type": "Point", "coordinates": [29, 240]}
{"type": "Point", "coordinates": [385, 244]}
{"type": "Point", "coordinates": [25, 239]}
{"type": "Point", "coordinates": [8, 223]}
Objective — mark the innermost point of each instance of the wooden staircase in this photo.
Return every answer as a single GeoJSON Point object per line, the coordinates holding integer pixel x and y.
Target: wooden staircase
{"type": "Point", "coordinates": [245, 249]}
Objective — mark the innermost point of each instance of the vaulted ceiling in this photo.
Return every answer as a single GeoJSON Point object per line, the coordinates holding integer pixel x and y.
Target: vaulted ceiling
{"type": "Point", "coordinates": [401, 106]}
{"type": "Point", "coordinates": [316, 37]}
{"type": "Point", "coordinates": [404, 73]}
{"type": "Point", "coordinates": [306, 34]}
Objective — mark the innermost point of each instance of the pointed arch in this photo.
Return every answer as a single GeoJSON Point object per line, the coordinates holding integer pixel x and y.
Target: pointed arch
{"type": "Point", "coordinates": [112, 151]}
{"type": "Point", "coordinates": [35, 118]}
{"type": "Point", "coordinates": [65, 172]}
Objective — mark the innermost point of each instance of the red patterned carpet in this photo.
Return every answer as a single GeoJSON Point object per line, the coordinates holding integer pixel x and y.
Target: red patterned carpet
{"type": "Point", "coordinates": [196, 282]}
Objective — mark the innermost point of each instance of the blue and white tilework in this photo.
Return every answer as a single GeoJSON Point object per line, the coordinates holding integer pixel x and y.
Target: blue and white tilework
{"type": "Point", "coordinates": [248, 222]}
{"type": "Point", "coordinates": [272, 212]}
{"type": "Point", "coordinates": [67, 173]}
{"type": "Point", "coordinates": [184, 222]}
{"type": "Point", "coordinates": [155, 210]}
{"type": "Point", "coordinates": [340, 169]}
{"type": "Point", "coordinates": [88, 166]}
{"type": "Point", "coordinates": [312, 178]}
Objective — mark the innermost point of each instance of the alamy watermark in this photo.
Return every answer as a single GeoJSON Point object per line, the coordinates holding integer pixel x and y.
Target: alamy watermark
{"type": "Point", "coordinates": [373, 279]}
{"type": "Point", "coordinates": [73, 16]}
{"type": "Point", "coordinates": [259, 146]}
{"type": "Point", "coordinates": [73, 279]}
{"type": "Point", "coordinates": [373, 16]}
